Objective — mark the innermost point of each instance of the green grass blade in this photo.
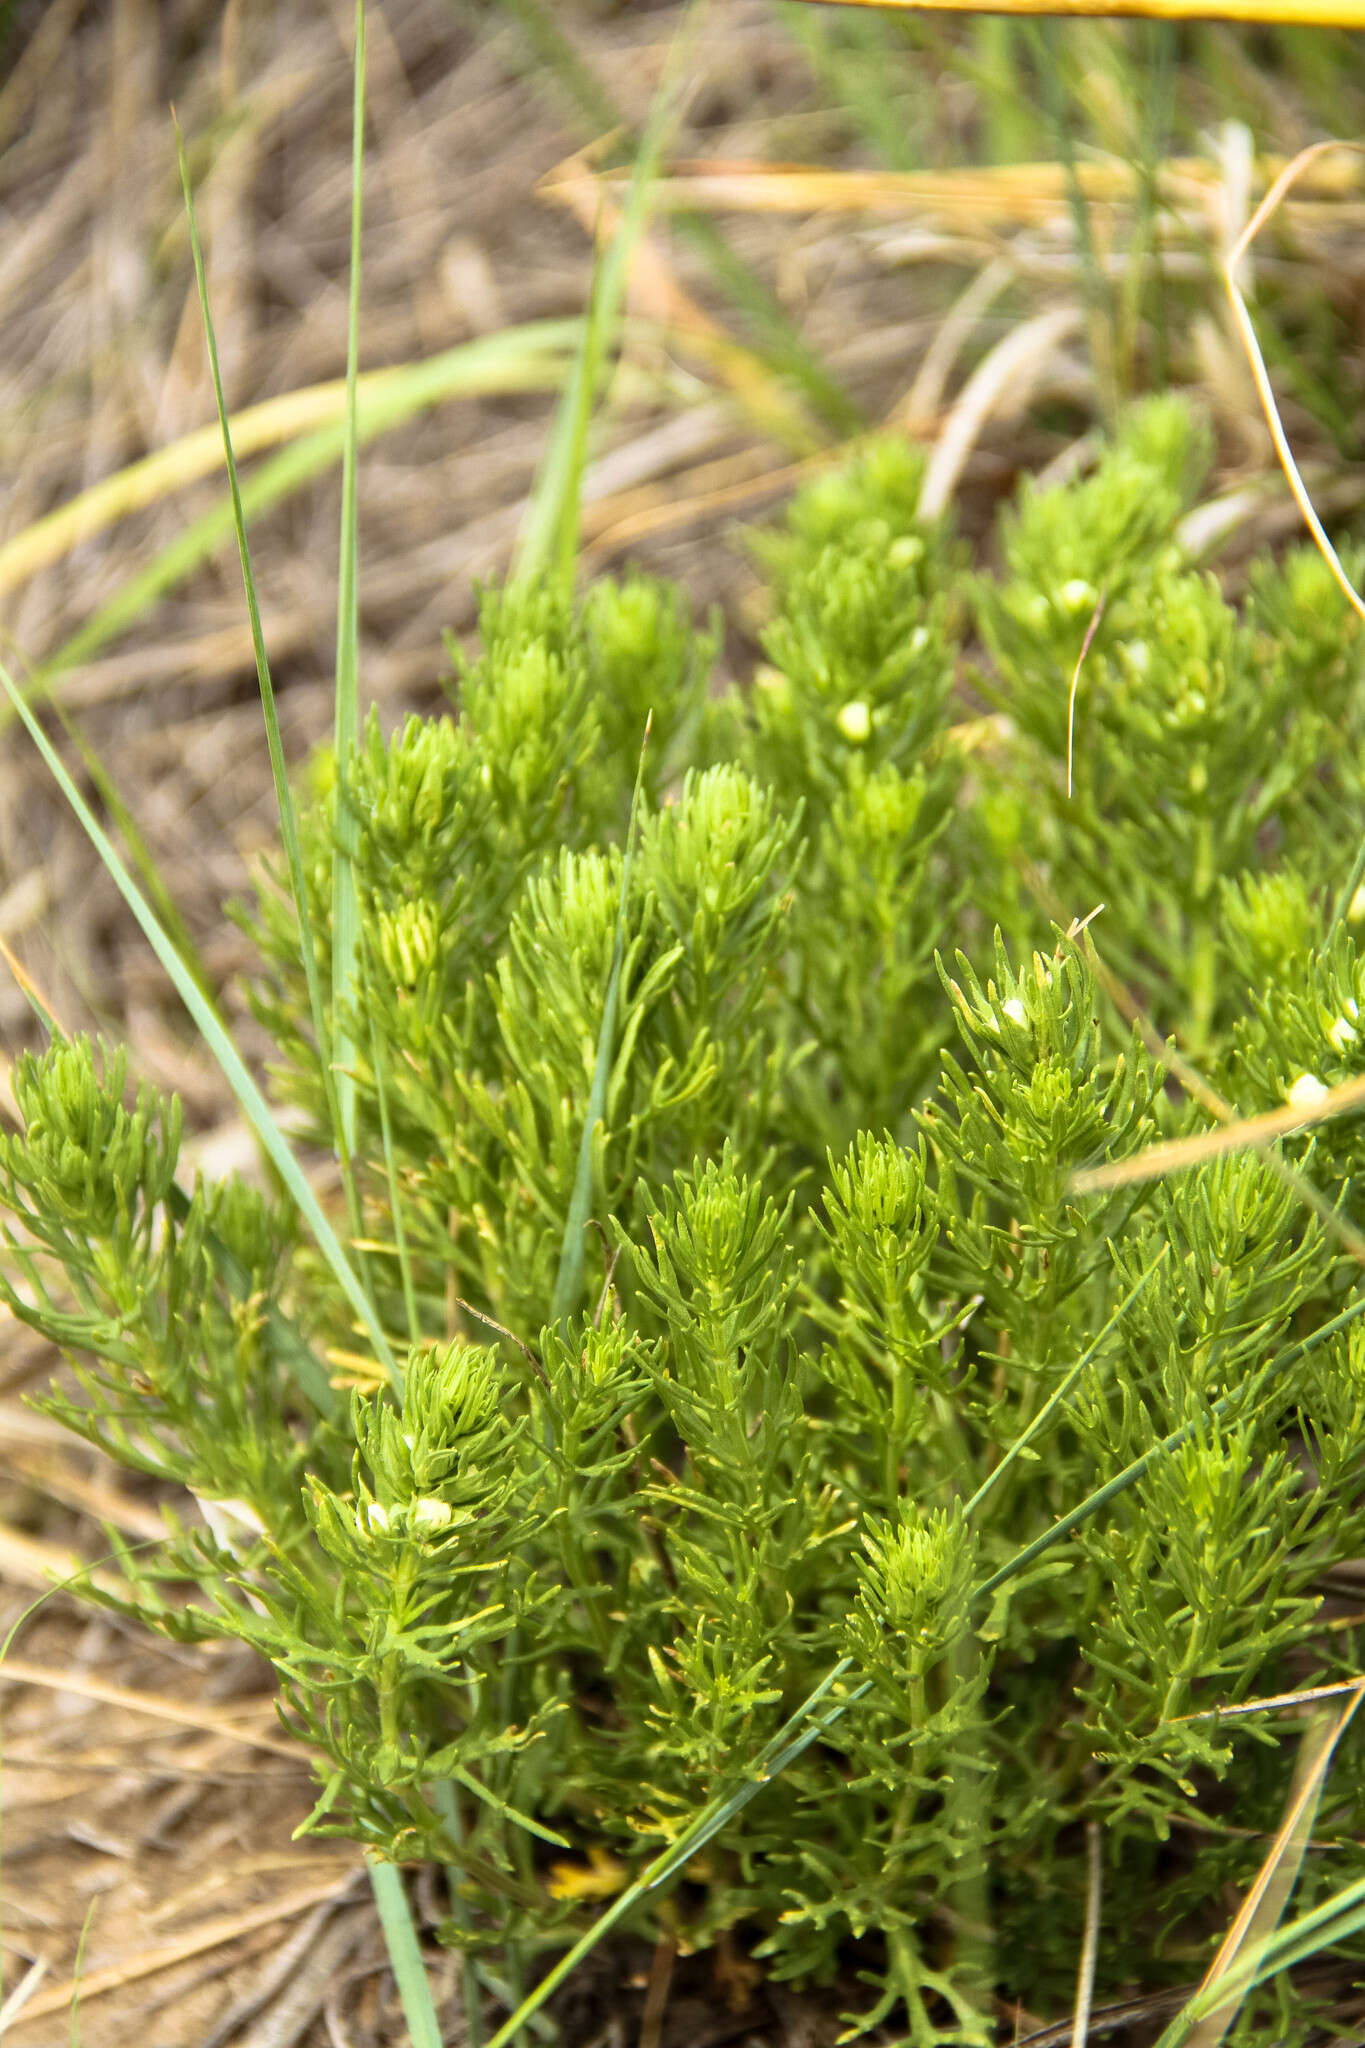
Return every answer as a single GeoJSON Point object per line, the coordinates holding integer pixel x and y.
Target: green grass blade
{"type": "Point", "coordinates": [400, 1235]}
{"type": "Point", "coordinates": [780, 1750]}
{"type": "Point", "coordinates": [253, 1103]}
{"type": "Point", "coordinates": [1254, 1929]}
{"type": "Point", "coordinates": [443, 1798]}
{"type": "Point", "coordinates": [1220, 1411]}
{"type": "Point", "coordinates": [849, 59]}
{"type": "Point", "coordinates": [1334, 1921]}
{"type": "Point", "coordinates": [550, 537]}
{"type": "Point", "coordinates": [409, 1971]}
{"type": "Point", "coordinates": [288, 822]}
{"type": "Point", "coordinates": [779, 342]}
{"type": "Point", "coordinates": [1047, 51]}
{"type": "Point", "coordinates": [345, 912]}
{"type": "Point", "coordinates": [140, 853]}
{"type": "Point", "coordinates": [569, 1279]}
{"type": "Point", "coordinates": [77, 1972]}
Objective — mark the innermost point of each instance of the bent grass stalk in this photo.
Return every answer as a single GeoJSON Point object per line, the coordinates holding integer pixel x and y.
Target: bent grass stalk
{"type": "Point", "coordinates": [210, 1027]}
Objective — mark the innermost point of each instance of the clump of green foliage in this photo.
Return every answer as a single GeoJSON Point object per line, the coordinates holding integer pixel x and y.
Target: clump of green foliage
{"type": "Point", "coordinates": [841, 1337]}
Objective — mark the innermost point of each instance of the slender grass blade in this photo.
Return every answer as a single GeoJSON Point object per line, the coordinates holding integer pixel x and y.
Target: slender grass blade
{"type": "Point", "coordinates": [345, 913]}
{"type": "Point", "coordinates": [289, 830]}
{"type": "Point", "coordinates": [400, 1938]}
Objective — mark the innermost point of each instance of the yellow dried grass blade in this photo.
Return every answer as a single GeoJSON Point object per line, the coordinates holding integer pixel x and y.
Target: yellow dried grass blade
{"type": "Point", "coordinates": [1269, 13]}
{"type": "Point", "coordinates": [1174, 1155]}
{"type": "Point", "coordinates": [532, 357]}
{"type": "Point", "coordinates": [1263, 1906]}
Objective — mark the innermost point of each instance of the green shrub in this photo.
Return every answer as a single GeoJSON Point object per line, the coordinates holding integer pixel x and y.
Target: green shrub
{"type": "Point", "coordinates": [642, 1486]}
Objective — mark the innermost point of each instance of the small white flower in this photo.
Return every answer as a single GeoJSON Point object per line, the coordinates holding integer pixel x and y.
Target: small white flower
{"type": "Point", "coordinates": [855, 722]}
{"type": "Point", "coordinates": [1015, 1009]}
{"type": "Point", "coordinates": [229, 1520]}
{"type": "Point", "coordinates": [1341, 1033]}
{"type": "Point", "coordinates": [1078, 595]}
{"type": "Point", "coordinates": [371, 1519]}
{"type": "Point", "coordinates": [426, 1516]}
{"type": "Point", "coordinates": [1307, 1092]}
{"type": "Point", "coordinates": [1357, 909]}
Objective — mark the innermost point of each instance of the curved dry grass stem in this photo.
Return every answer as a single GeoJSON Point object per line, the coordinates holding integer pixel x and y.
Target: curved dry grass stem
{"type": "Point", "coordinates": [1263, 1907]}
{"type": "Point", "coordinates": [1090, 1947]}
{"type": "Point", "coordinates": [1288, 177]}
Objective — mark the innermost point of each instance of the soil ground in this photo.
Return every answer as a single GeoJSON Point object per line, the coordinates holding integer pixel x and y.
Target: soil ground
{"type": "Point", "coordinates": [148, 1798]}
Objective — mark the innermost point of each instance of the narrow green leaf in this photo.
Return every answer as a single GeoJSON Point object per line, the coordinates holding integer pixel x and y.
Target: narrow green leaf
{"type": "Point", "coordinates": [780, 346]}
{"type": "Point", "coordinates": [283, 796]}
{"type": "Point", "coordinates": [253, 1103]}
{"type": "Point", "coordinates": [1220, 1411]}
{"type": "Point", "coordinates": [489, 1797]}
{"type": "Point", "coordinates": [345, 912]}
{"type": "Point", "coordinates": [77, 1972]}
{"type": "Point", "coordinates": [780, 1750]}
{"type": "Point", "coordinates": [400, 1235]}
{"type": "Point", "coordinates": [550, 537]}
{"type": "Point", "coordinates": [405, 1956]}
{"type": "Point", "coordinates": [569, 1279]}
{"type": "Point", "coordinates": [448, 1806]}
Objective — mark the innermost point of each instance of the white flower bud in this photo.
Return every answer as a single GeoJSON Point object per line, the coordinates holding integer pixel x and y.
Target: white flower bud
{"type": "Point", "coordinates": [855, 722]}
{"type": "Point", "coordinates": [426, 1516]}
{"type": "Point", "coordinates": [1307, 1092]}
